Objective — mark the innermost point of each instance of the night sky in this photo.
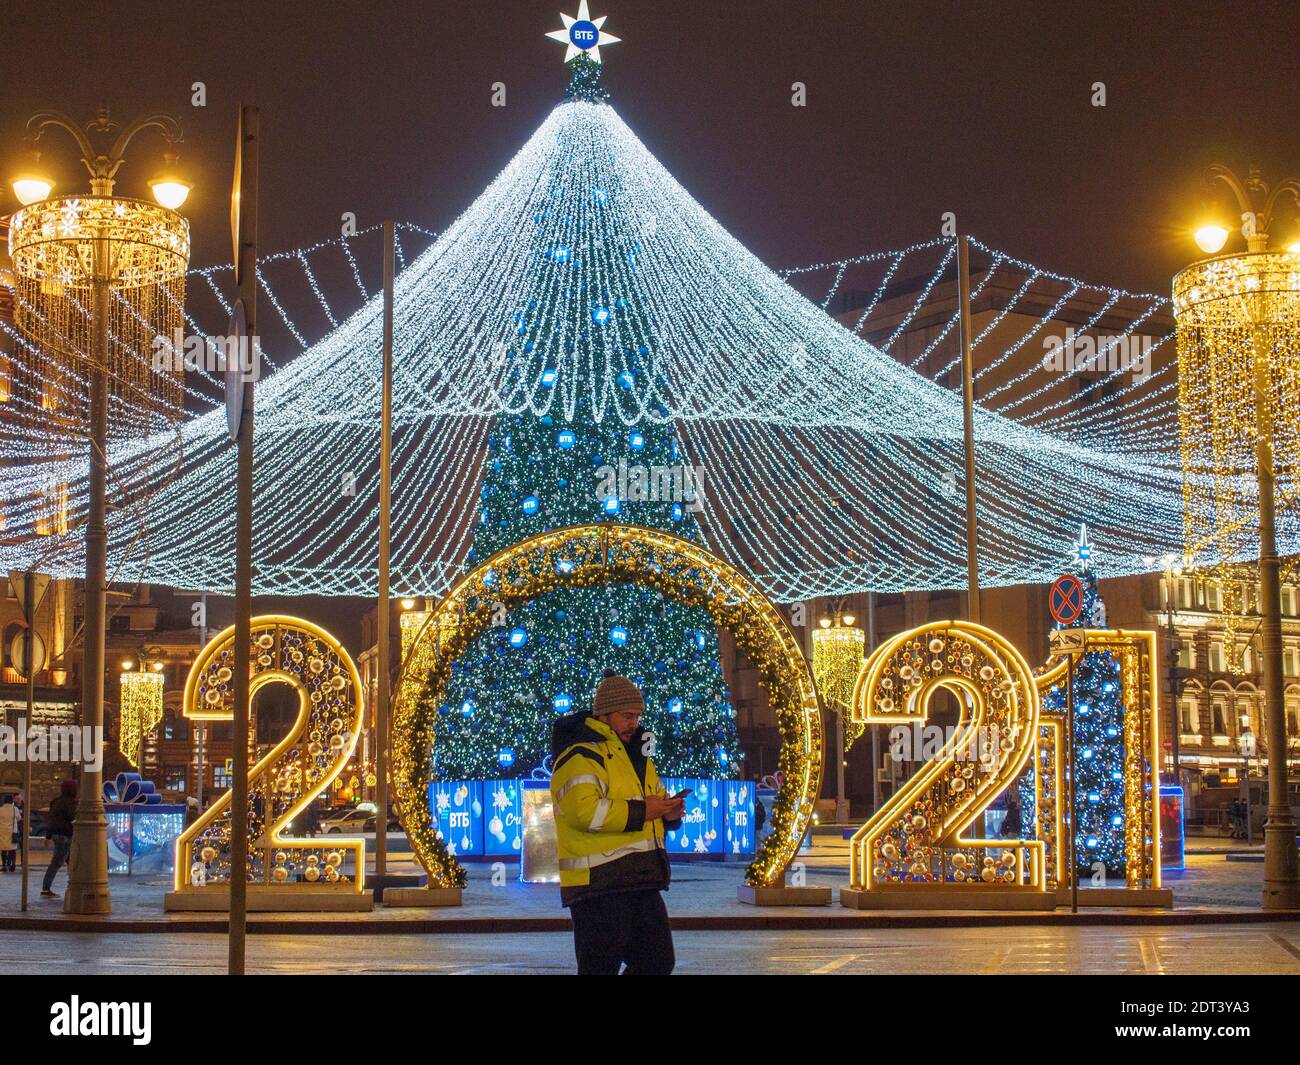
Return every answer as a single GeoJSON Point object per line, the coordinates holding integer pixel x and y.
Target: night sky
{"type": "Point", "coordinates": [913, 110]}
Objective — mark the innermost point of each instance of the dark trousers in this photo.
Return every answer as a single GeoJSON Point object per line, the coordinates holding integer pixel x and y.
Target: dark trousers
{"type": "Point", "coordinates": [62, 844]}
{"type": "Point", "coordinates": [631, 927]}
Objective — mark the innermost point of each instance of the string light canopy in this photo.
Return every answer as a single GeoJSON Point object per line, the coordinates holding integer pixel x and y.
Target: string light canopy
{"type": "Point", "coordinates": [827, 465]}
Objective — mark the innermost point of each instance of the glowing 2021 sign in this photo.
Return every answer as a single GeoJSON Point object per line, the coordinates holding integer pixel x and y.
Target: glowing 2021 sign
{"type": "Point", "coordinates": [285, 650]}
{"type": "Point", "coordinates": [918, 842]}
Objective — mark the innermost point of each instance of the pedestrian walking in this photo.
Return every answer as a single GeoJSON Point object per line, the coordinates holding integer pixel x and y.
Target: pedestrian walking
{"type": "Point", "coordinates": [63, 811]}
{"type": "Point", "coordinates": [9, 829]}
{"type": "Point", "coordinates": [18, 828]}
{"type": "Point", "coordinates": [611, 813]}
{"type": "Point", "coordinates": [1012, 823]}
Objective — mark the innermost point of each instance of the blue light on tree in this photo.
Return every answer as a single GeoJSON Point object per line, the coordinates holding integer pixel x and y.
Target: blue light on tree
{"type": "Point", "coordinates": [530, 505]}
{"type": "Point", "coordinates": [565, 439]}
{"type": "Point", "coordinates": [562, 703]}
{"type": "Point", "coordinates": [618, 635]}
{"type": "Point", "coordinates": [518, 637]}
{"type": "Point", "coordinates": [506, 756]}
{"type": "Point", "coordinates": [675, 705]}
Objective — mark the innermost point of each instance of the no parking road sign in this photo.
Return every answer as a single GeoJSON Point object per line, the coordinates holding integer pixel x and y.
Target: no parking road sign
{"type": "Point", "coordinates": [1066, 599]}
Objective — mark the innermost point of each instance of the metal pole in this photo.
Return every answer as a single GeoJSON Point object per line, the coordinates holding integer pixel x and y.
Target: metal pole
{"type": "Point", "coordinates": [198, 725]}
{"type": "Point", "coordinates": [841, 811]}
{"type": "Point", "coordinates": [29, 663]}
{"type": "Point", "coordinates": [1281, 859]}
{"type": "Point", "coordinates": [1172, 659]}
{"type": "Point", "coordinates": [88, 862]}
{"type": "Point", "coordinates": [968, 428]}
{"type": "Point", "coordinates": [383, 617]}
{"type": "Point", "coordinates": [1069, 756]}
{"type": "Point", "coordinates": [1250, 831]}
{"type": "Point", "coordinates": [243, 554]}
{"type": "Point", "coordinates": [875, 729]}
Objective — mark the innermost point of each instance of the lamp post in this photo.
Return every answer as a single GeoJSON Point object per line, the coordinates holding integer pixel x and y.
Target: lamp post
{"type": "Point", "coordinates": [92, 247]}
{"type": "Point", "coordinates": [1246, 744]}
{"type": "Point", "coordinates": [1238, 325]}
{"type": "Point", "coordinates": [1172, 568]}
{"type": "Point", "coordinates": [838, 653]}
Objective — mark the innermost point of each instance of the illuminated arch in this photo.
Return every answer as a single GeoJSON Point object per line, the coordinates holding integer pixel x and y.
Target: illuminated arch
{"type": "Point", "coordinates": [588, 556]}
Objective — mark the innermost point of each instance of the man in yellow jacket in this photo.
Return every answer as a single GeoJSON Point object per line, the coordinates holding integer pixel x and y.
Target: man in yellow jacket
{"type": "Point", "coordinates": [611, 812]}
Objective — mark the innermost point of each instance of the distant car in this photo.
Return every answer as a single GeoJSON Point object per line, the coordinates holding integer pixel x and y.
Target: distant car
{"type": "Point", "coordinates": [352, 819]}
{"type": "Point", "coordinates": [394, 825]}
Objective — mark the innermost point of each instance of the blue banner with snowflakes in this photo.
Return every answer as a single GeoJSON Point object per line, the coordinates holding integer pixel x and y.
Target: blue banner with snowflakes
{"type": "Point", "coordinates": [703, 828]}
{"type": "Point", "coordinates": [503, 817]}
{"type": "Point", "coordinates": [457, 809]}
{"type": "Point", "coordinates": [740, 816]}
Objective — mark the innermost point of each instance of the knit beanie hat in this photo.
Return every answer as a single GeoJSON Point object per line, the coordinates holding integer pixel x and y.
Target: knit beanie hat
{"type": "Point", "coordinates": [616, 693]}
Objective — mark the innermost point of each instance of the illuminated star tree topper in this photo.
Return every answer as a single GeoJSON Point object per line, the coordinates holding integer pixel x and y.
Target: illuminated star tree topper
{"type": "Point", "coordinates": [583, 34]}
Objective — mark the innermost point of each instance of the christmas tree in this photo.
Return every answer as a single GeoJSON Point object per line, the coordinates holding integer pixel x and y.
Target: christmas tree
{"type": "Point", "coordinates": [589, 456]}
{"type": "Point", "coordinates": [1098, 735]}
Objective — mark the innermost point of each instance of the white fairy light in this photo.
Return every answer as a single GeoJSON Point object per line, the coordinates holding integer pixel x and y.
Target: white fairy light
{"type": "Point", "coordinates": [783, 408]}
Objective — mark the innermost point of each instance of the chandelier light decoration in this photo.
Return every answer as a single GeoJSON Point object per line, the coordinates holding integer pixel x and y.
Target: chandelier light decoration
{"type": "Point", "coordinates": [838, 653]}
{"type": "Point", "coordinates": [1238, 316]}
{"type": "Point", "coordinates": [828, 465]}
{"type": "Point", "coordinates": [62, 248]}
{"type": "Point", "coordinates": [141, 711]}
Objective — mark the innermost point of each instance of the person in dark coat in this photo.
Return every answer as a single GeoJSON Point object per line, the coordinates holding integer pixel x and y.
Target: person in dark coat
{"type": "Point", "coordinates": [63, 811]}
{"type": "Point", "coordinates": [1012, 824]}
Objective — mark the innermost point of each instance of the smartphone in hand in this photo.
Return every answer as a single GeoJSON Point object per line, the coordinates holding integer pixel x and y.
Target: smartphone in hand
{"type": "Point", "coordinates": [681, 794]}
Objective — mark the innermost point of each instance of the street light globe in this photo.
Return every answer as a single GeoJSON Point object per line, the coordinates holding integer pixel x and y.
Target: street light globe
{"type": "Point", "coordinates": [170, 191]}
{"type": "Point", "coordinates": [407, 604]}
{"type": "Point", "coordinates": [30, 188]}
{"type": "Point", "coordinates": [1211, 239]}
{"type": "Point", "coordinates": [1294, 248]}
{"type": "Point", "coordinates": [127, 663]}
{"type": "Point", "coordinates": [848, 619]}
{"type": "Point", "coordinates": [826, 623]}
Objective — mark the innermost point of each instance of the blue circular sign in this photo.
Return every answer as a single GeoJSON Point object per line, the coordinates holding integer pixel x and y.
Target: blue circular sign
{"type": "Point", "coordinates": [584, 35]}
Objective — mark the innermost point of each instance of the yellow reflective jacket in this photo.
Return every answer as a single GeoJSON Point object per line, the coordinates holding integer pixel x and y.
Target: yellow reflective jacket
{"type": "Point", "coordinates": [598, 788]}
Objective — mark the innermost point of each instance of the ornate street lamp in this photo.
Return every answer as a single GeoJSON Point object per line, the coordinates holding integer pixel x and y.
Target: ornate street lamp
{"type": "Point", "coordinates": [1238, 326]}
{"type": "Point", "coordinates": [140, 708]}
{"type": "Point", "coordinates": [838, 653]}
{"type": "Point", "coordinates": [100, 276]}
